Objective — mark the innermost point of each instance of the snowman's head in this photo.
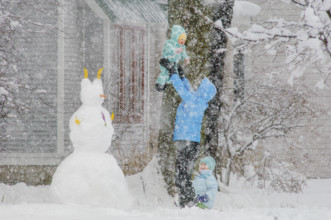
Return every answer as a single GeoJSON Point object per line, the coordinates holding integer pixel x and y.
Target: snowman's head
{"type": "Point", "coordinates": [92, 92]}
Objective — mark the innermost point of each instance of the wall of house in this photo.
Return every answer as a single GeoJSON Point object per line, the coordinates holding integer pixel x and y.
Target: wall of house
{"type": "Point", "coordinates": [54, 69]}
{"type": "Point", "coordinates": [72, 65]}
{"type": "Point", "coordinates": [35, 130]}
{"type": "Point", "coordinates": [83, 48]}
{"type": "Point", "coordinates": [88, 49]}
{"type": "Point", "coordinates": [308, 148]}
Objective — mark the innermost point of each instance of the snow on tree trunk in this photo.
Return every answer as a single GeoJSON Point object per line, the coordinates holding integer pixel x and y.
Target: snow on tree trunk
{"type": "Point", "coordinates": [166, 148]}
{"type": "Point", "coordinates": [221, 12]}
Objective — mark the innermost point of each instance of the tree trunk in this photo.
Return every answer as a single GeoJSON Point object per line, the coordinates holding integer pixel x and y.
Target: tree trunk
{"type": "Point", "coordinates": [228, 171]}
{"type": "Point", "coordinates": [201, 38]}
{"type": "Point", "coordinates": [223, 12]}
{"type": "Point", "coordinates": [182, 12]}
{"type": "Point", "coordinates": [166, 148]}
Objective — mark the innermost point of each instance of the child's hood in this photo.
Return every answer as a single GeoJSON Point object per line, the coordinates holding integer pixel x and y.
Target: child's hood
{"type": "Point", "coordinates": [206, 90]}
{"type": "Point", "coordinates": [176, 31]}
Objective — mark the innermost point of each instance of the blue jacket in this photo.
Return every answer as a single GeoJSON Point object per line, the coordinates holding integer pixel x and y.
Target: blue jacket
{"type": "Point", "coordinates": [192, 108]}
{"type": "Point", "coordinates": [205, 183]}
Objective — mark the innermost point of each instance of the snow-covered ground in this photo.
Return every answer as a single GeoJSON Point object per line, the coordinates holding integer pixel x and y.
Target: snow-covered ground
{"type": "Point", "coordinates": [151, 202]}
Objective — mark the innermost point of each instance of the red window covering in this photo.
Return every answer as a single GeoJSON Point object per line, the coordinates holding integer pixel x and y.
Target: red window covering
{"type": "Point", "coordinates": [129, 54]}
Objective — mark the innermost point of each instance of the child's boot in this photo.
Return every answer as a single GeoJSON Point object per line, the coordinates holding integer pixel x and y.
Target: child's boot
{"type": "Point", "coordinates": [201, 205]}
{"type": "Point", "coordinates": [168, 70]}
{"type": "Point", "coordinates": [161, 84]}
{"type": "Point", "coordinates": [181, 72]}
{"type": "Point", "coordinates": [168, 65]}
{"type": "Point", "coordinates": [160, 87]}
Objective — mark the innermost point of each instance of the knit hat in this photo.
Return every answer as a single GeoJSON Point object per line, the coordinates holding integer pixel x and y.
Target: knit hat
{"type": "Point", "coordinates": [209, 161]}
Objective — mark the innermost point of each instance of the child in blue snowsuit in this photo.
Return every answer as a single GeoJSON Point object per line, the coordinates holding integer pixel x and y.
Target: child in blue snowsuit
{"type": "Point", "coordinates": [187, 127]}
{"type": "Point", "coordinates": [173, 50]}
{"type": "Point", "coordinates": [205, 184]}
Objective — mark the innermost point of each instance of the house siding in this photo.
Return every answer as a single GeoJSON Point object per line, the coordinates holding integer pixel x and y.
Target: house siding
{"type": "Point", "coordinates": [73, 64]}
{"type": "Point", "coordinates": [54, 66]}
{"type": "Point", "coordinates": [35, 131]}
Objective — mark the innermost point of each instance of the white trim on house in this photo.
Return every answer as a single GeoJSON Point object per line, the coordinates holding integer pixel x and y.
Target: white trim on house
{"type": "Point", "coordinates": [148, 87]}
{"type": "Point", "coordinates": [60, 81]}
{"type": "Point", "coordinates": [31, 158]}
{"type": "Point", "coordinates": [96, 9]}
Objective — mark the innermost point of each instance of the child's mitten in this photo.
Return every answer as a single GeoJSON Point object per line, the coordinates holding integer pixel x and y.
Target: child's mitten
{"type": "Point", "coordinates": [180, 71]}
{"type": "Point", "coordinates": [203, 198]}
{"type": "Point", "coordinates": [160, 87]}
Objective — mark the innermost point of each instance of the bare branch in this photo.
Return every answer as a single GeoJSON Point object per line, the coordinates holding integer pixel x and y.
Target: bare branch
{"type": "Point", "coordinates": [300, 3]}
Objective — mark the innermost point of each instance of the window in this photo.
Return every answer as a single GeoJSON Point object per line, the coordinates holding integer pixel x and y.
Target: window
{"type": "Point", "coordinates": [129, 73]}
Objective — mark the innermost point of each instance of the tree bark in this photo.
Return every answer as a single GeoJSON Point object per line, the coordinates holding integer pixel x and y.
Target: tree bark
{"type": "Point", "coordinates": [182, 12]}
{"type": "Point", "coordinates": [166, 147]}
{"type": "Point", "coordinates": [223, 12]}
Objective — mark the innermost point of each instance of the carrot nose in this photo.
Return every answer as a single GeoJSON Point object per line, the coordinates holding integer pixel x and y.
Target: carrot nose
{"type": "Point", "coordinates": [103, 96]}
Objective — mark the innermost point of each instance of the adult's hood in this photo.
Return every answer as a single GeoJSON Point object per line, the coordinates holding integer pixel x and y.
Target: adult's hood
{"type": "Point", "coordinates": [206, 90]}
{"type": "Point", "coordinates": [176, 31]}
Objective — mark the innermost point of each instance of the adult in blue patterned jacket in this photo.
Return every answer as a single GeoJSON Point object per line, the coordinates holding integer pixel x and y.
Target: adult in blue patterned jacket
{"type": "Point", "coordinates": [188, 127]}
{"type": "Point", "coordinates": [173, 50]}
{"type": "Point", "coordinates": [205, 184]}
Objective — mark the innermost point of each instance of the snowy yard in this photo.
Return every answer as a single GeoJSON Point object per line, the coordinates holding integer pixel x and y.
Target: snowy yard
{"type": "Point", "coordinates": [293, 48]}
{"type": "Point", "coordinates": [240, 202]}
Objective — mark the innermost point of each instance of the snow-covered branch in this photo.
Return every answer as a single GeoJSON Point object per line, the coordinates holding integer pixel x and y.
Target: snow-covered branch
{"type": "Point", "coordinates": [218, 26]}
{"type": "Point", "coordinates": [266, 112]}
{"type": "Point", "coordinates": [305, 41]}
{"type": "Point", "coordinates": [300, 3]}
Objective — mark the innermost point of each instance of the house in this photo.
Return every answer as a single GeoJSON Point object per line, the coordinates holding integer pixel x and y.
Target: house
{"type": "Point", "coordinates": [124, 37]}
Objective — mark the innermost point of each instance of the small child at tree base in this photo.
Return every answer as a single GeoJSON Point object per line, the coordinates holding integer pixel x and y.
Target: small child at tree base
{"type": "Point", "coordinates": [174, 51]}
{"type": "Point", "coordinates": [205, 184]}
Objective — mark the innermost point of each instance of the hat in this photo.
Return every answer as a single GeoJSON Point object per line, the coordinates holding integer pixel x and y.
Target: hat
{"type": "Point", "coordinates": [209, 161]}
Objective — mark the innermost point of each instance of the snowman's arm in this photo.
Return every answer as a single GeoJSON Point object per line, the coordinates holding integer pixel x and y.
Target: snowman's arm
{"type": "Point", "coordinates": [77, 121]}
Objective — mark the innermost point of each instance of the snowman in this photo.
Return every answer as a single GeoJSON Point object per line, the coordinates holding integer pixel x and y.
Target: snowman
{"type": "Point", "coordinates": [89, 176]}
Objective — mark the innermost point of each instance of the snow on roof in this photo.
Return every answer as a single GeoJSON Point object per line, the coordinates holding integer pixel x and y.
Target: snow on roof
{"type": "Point", "coordinates": [162, 2]}
{"type": "Point", "coordinates": [133, 11]}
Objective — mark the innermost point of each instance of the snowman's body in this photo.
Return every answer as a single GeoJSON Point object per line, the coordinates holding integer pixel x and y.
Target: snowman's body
{"type": "Point", "coordinates": [89, 175]}
{"type": "Point", "coordinates": [95, 125]}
